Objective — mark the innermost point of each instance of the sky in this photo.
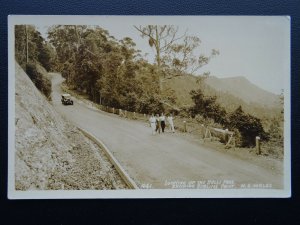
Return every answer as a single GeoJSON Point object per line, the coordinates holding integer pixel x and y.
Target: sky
{"type": "Point", "coordinates": [256, 47]}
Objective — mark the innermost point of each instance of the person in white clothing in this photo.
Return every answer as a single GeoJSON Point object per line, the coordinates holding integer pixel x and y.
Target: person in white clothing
{"type": "Point", "coordinates": [158, 125]}
{"type": "Point", "coordinates": [170, 121]}
{"type": "Point", "coordinates": [152, 121]}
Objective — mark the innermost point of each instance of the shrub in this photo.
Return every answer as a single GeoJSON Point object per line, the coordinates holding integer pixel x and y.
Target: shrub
{"type": "Point", "coordinates": [39, 77]}
{"type": "Point", "coordinates": [207, 107]}
{"type": "Point", "coordinates": [150, 105]}
{"type": "Point", "coordinates": [248, 126]}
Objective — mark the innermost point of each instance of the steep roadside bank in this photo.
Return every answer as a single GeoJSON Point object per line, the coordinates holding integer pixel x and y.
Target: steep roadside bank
{"type": "Point", "coordinates": [52, 154]}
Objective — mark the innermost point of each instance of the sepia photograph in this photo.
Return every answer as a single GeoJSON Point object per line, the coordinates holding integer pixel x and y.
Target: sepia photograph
{"type": "Point", "coordinates": [149, 107]}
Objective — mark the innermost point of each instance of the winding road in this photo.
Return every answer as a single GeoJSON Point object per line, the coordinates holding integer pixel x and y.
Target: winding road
{"type": "Point", "coordinates": [160, 161]}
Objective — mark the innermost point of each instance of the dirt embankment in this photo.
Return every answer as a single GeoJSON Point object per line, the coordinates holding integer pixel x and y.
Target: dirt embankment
{"type": "Point", "coordinates": [52, 154]}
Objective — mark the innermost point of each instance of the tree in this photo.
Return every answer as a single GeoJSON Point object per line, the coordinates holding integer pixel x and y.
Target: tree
{"type": "Point", "coordinates": [46, 56]}
{"type": "Point", "coordinates": [248, 125]}
{"type": "Point", "coordinates": [208, 107]}
{"type": "Point", "coordinates": [34, 55]}
{"type": "Point", "coordinates": [150, 99]}
{"type": "Point", "coordinates": [20, 45]}
{"type": "Point", "coordinates": [174, 53]}
{"type": "Point", "coordinates": [30, 46]}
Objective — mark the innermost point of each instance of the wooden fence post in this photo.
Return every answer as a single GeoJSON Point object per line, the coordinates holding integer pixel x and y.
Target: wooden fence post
{"type": "Point", "coordinates": [184, 126]}
{"type": "Point", "coordinates": [226, 136]}
{"type": "Point", "coordinates": [202, 131]}
{"type": "Point", "coordinates": [207, 134]}
{"type": "Point", "coordinates": [257, 142]}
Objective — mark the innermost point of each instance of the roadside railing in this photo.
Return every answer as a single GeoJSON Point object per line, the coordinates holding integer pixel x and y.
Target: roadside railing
{"type": "Point", "coordinates": [123, 113]}
{"type": "Point", "coordinates": [226, 136]}
{"type": "Point", "coordinates": [207, 133]}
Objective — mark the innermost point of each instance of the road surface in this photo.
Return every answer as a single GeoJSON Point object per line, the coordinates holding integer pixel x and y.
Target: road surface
{"type": "Point", "coordinates": [166, 160]}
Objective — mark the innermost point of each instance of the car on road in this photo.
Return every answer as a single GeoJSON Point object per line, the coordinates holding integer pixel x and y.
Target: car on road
{"type": "Point", "coordinates": [66, 99]}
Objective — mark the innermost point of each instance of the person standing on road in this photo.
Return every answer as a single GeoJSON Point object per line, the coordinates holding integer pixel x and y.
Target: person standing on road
{"type": "Point", "coordinates": [170, 121]}
{"type": "Point", "coordinates": [158, 127]}
{"type": "Point", "coordinates": [162, 119]}
{"type": "Point", "coordinates": [152, 121]}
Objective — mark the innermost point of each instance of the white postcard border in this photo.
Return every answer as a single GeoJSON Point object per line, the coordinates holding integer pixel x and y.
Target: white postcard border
{"type": "Point", "coordinates": [141, 193]}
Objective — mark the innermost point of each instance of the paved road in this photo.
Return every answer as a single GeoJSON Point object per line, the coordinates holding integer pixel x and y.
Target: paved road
{"type": "Point", "coordinates": [156, 161]}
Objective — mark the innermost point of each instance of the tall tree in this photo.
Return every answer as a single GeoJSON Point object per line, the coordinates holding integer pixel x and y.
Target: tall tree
{"type": "Point", "coordinates": [175, 54]}
{"type": "Point", "coordinates": [30, 46]}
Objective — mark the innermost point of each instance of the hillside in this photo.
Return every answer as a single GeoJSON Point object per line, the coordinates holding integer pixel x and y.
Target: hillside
{"type": "Point", "coordinates": [50, 153]}
{"type": "Point", "coordinates": [231, 93]}
{"type": "Point", "coordinates": [242, 88]}
{"type": "Point", "coordinates": [182, 86]}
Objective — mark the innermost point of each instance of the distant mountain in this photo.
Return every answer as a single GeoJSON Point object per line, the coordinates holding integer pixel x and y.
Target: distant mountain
{"type": "Point", "coordinates": [245, 90]}
{"type": "Point", "coordinates": [231, 93]}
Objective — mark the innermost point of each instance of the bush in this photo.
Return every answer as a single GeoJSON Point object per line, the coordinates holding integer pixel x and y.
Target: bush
{"type": "Point", "coordinates": [150, 105]}
{"type": "Point", "coordinates": [39, 77]}
{"type": "Point", "coordinates": [248, 126]}
{"type": "Point", "coordinates": [207, 107]}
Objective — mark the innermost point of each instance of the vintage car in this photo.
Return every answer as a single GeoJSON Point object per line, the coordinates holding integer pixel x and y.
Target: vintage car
{"type": "Point", "coordinates": [66, 99]}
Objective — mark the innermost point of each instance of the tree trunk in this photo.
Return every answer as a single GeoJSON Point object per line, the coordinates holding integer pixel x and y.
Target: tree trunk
{"type": "Point", "coordinates": [157, 45]}
{"type": "Point", "coordinates": [26, 44]}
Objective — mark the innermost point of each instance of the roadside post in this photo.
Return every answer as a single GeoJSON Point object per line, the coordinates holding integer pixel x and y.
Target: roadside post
{"type": "Point", "coordinates": [257, 142]}
{"type": "Point", "coordinates": [184, 126]}
{"type": "Point", "coordinates": [113, 110]}
{"type": "Point", "coordinates": [226, 136]}
{"type": "Point", "coordinates": [203, 131]}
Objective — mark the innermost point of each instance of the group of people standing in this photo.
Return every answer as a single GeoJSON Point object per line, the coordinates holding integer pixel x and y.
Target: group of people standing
{"type": "Point", "coordinates": [158, 123]}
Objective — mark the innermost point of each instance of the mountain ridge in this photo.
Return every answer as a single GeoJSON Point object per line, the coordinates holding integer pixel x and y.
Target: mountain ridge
{"type": "Point", "coordinates": [231, 92]}
{"type": "Point", "coordinates": [244, 89]}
